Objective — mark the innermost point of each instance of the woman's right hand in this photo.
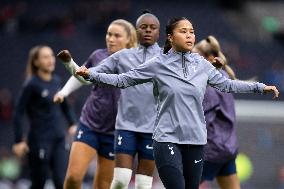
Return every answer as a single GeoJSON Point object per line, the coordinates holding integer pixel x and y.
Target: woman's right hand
{"type": "Point", "coordinates": [64, 56]}
{"type": "Point", "coordinates": [83, 71]}
{"type": "Point", "coordinates": [20, 149]}
{"type": "Point", "coordinates": [58, 98]}
{"type": "Point", "coordinates": [272, 89]}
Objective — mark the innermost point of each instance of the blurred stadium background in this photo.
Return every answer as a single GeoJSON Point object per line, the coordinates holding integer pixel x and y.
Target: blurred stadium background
{"type": "Point", "coordinates": [251, 33]}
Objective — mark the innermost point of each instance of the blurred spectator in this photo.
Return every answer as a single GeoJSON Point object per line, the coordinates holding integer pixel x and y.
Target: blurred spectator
{"type": "Point", "coordinates": [19, 16]}
{"type": "Point", "coordinates": [9, 166]}
{"type": "Point", "coordinates": [5, 105]}
{"type": "Point", "coordinates": [281, 177]}
{"type": "Point", "coordinates": [9, 16]}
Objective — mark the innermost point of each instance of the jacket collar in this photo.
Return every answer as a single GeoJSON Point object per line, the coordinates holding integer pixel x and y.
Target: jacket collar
{"type": "Point", "coordinates": [178, 55]}
{"type": "Point", "coordinates": [151, 48]}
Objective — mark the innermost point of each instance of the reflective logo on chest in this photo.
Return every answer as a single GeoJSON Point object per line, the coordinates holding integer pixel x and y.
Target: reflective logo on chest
{"type": "Point", "coordinates": [44, 93]}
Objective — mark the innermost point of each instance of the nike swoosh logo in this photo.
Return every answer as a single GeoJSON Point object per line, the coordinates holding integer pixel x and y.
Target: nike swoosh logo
{"type": "Point", "coordinates": [149, 147]}
{"type": "Point", "coordinates": [196, 161]}
{"type": "Point", "coordinates": [111, 154]}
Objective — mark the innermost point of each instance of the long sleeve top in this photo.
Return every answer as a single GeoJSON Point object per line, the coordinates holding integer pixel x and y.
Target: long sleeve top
{"type": "Point", "coordinates": [180, 81]}
{"type": "Point", "coordinates": [36, 99]}
{"type": "Point", "coordinates": [133, 115]}
{"type": "Point", "coordinates": [220, 116]}
{"type": "Point", "coordinates": [100, 109]}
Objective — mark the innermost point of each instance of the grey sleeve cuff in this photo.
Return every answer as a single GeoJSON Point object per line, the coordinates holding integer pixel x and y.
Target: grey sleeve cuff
{"type": "Point", "coordinates": [93, 75]}
{"type": "Point", "coordinates": [260, 87]}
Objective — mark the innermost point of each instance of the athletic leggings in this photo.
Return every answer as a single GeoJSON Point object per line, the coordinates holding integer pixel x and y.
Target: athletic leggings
{"type": "Point", "coordinates": [45, 157]}
{"type": "Point", "coordinates": [179, 165]}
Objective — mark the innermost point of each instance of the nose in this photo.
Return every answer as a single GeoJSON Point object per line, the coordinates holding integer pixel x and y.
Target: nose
{"type": "Point", "coordinates": [188, 35]}
{"type": "Point", "coordinates": [148, 29]}
{"type": "Point", "coordinates": [111, 38]}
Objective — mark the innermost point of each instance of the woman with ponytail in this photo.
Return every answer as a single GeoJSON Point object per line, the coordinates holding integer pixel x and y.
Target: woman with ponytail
{"type": "Point", "coordinates": [219, 109]}
{"type": "Point", "coordinates": [135, 118]}
{"type": "Point", "coordinates": [95, 134]}
{"type": "Point", "coordinates": [45, 142]}
{"type": "Point", "coordinates": [179, 79]}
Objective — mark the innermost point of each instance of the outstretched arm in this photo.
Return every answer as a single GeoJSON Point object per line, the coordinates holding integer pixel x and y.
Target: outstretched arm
{"type": "Point", "coordinates": [217, 80]}
{"type": "Point", "coordinates": [142, 74]}
{"type": "Point", "coordinates": [70, 65]}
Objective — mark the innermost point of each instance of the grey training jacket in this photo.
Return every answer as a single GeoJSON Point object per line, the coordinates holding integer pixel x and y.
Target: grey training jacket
{"type": "Point", "coordinates": [180, 81]}
{"type": "Point", "coordinates": [134, 114]}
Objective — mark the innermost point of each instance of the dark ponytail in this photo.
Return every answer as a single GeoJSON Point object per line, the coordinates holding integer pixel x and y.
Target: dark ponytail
{"type": "Point", "coordinates": [167, 46]}
{"type": "Point", "coordinates": [169, 31]}
{"type": "Point", "coordinates": [146, 11]}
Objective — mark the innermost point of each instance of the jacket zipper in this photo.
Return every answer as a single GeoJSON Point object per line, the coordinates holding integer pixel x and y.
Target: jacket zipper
{"type": "Point", "coordinates": [184, 67]}
{"type": "Point", "coordinates": [144, 54]}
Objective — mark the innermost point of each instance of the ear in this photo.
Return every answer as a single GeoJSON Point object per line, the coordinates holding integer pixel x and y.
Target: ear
{"type": "Point", "coordinates": [127, 40]}
{"type": "Point", "coordinates": [170, 38]}
{"type": "Point", "coordinates": [36, 63]}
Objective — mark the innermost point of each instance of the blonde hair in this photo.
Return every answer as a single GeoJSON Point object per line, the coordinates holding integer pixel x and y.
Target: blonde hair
{"type": "Point", "coordinates": [216, 51]}
{"type": "Point", "coordinates": [130, 30]}
{"type": "Point", "coordinates": [213, 49]}
{"type": "Point", "coordinates": [31, 68]}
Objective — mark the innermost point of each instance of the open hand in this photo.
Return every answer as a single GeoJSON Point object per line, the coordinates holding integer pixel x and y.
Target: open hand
{"type": "Point", "coordinates": [271, 89]}
{"type": "Point", "coordinates": [64, 56]}
{"type": "Point", "coordinates": [20, 149]}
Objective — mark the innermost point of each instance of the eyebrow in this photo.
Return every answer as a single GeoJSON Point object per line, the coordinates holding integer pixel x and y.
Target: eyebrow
{"type": "Point", "coordinates": [113, 33]}
{"type": "Point", "coordinates": [186, 28]}
{"type": "Point", "coordinates": [148, 24]}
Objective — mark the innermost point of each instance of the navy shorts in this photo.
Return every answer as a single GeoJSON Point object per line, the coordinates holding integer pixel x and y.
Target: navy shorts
{"type": "Point", "coordinates": [103, 143]}
{"type": "Point", "coordinates": [130, 142]}
{"type": "Point", "coordinates": [212, 170]}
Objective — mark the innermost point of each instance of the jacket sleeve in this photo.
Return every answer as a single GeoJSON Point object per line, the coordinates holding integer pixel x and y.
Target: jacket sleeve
{"type": "Point", "coordinates": [21, 104]}
{"type": "Point", "coordinates": [224, 84]}
{"type": "Point", "coordinates": [109, 64]}
{"type": "Point", "coordinates": [142, 74]}
{"type": "Point", "coordinates": [70, 86]}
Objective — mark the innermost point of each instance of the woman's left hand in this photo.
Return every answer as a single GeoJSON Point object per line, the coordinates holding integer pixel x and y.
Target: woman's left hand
{"type": "Point", "coordinates": [218, 62]}
{"type": "Point", "coordinates": [72, 130]}
{"type": "Point", "coordinates": [271, 89]}
{"type": "Point", "coordinates": [83, 71]}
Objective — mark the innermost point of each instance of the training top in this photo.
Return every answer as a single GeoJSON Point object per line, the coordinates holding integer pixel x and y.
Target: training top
{"type": "Point", "coordinates": [36, 99]}
{"type": "Point", "coordinates": [100, 109]}
{"type": "Point", "coordinates": [180, 81]}
{"type": "Point", "coordinates": [134, 114]}
{"type": "Point", "coordinates": [220, 116]}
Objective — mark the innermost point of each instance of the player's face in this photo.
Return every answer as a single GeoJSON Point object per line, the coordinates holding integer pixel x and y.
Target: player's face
{"type": "Point", "coordinates": [148, 30]}
{"type": "Point", "coordinates": [45, 60]}
{"type": "Point", "coordinates": [116, 38]}
{"type": "Point", "coordinates": [183, 37]}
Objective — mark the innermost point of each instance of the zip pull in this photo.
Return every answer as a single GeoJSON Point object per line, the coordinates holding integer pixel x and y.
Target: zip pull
{"type": "Point", "coordinates": [184, 67]}
{"type": "Point", "coordinates": [144, 54]}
